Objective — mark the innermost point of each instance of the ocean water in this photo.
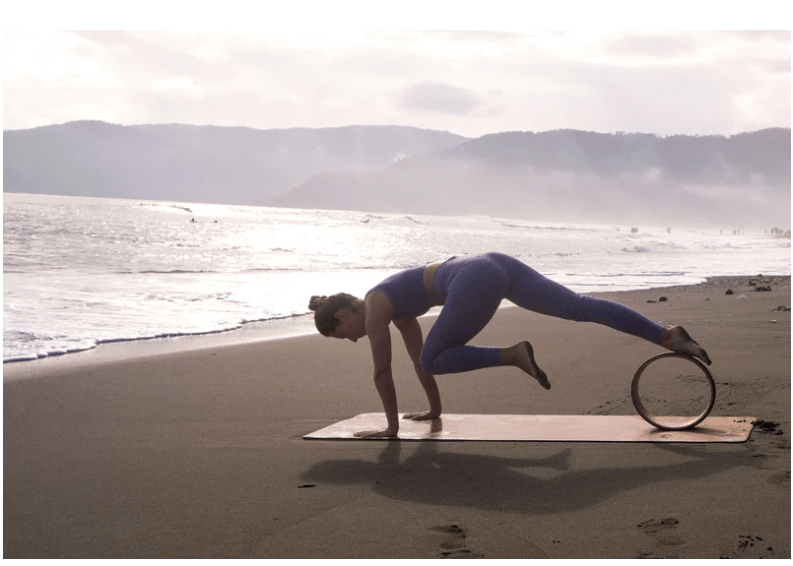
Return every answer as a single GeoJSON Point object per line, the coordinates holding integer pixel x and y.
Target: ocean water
{"type": "Point", "coordinates": [82, 271]}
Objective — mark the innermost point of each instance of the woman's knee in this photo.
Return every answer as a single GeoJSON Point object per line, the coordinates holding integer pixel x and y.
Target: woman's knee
{"type": "Point", "coordinates": [431, 361]}
{"type": "Point", "coordinates": [428, 361]}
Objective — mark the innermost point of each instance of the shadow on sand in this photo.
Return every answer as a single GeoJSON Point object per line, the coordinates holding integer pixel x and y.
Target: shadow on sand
{"type": "Point", "coordinates": [506, 484]}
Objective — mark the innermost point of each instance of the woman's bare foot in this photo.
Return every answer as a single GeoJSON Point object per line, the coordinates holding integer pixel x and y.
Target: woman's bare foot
{"type": "Point", "coordinates": [524, 359]}
{"type": "Point", "coordinates": [676, 338]}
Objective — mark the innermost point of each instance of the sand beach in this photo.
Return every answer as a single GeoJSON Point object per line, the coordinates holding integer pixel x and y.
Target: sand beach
{"type": "Point", "coordinates": [129, 452]}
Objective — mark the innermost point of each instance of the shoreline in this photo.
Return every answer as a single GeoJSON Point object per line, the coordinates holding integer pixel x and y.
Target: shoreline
{"type": "Point", "coordinates": [303, 325]}
{"type": "Point", "coordinates": [199, 453]}
{"type": "Point", "coordinates": [260, 331]}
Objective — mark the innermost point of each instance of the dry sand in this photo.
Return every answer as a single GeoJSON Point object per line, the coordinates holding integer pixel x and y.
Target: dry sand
{"type": "Point", "coordinates": [198, 453]}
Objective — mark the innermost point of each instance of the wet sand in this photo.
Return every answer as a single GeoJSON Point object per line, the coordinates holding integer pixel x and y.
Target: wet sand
{"type": "Point", "coordinates": [199, 452]}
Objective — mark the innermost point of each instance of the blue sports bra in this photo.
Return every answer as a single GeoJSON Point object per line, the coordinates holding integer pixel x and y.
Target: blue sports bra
{"type": "Point", "coordinates": [406, 292]}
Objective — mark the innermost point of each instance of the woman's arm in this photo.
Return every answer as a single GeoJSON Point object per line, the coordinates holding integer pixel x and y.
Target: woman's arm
{"type": "Point", "coordinates": [378, 317]}
{"type": "Point", "coordinates": [414, 342]}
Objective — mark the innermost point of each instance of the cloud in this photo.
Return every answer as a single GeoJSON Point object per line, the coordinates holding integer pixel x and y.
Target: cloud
{"type": "Point", "coordinates": [781, 36]}
{"type": "Point", "coordinates": [439, 97]}
{"type": "Point", "coordinates": [144, 56]}
{"type": "Point", "coordinates": [655, 47]}
{"type": "Point", "coordinates": [178, 84]}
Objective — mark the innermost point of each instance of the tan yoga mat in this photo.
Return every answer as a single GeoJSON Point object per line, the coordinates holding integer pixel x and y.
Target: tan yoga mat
{"type": "Point", "coordinates": [541, 428]}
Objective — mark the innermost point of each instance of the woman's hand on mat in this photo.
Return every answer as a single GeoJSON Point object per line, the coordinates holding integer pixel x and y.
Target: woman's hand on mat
{"type": "Point", "coordinates": [425, 416]}
{"type": "Point", "coordinates": [376, 433]}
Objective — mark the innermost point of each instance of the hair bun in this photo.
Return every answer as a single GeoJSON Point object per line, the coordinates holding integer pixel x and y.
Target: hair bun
{"type": "Point", "coordinates": [316, 302]}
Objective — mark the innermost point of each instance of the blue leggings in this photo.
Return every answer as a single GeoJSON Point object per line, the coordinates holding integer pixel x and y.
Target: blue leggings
{"type": "Point", "coordinates": [472, 289]}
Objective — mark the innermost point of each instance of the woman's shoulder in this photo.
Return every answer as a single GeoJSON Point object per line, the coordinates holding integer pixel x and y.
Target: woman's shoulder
{"type": "Point", "coordinates": [378, 305]}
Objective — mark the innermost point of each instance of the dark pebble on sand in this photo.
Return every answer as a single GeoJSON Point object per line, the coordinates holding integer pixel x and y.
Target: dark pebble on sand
{"type": "Point", "coordinates": [662, 299]}
{"type": "Point", "coordinates": [762, 288]}
{"type": "Point", "coordinates": [729, 292]}
{"type": "Point", "coordinates": [768, 427]}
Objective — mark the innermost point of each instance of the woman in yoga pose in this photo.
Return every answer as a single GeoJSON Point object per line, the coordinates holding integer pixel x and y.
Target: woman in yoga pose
{"type": "Point", "coordinates": [470, 290]}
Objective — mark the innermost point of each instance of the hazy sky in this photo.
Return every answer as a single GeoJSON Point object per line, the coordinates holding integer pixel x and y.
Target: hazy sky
{"type": "Point", "coordinates": [467, 82]}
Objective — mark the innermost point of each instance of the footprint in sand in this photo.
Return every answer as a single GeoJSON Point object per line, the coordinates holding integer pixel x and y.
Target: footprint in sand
{"type": "Point", "coordinates": [453, 537]}
{"type": "Point", "coordinates": [663, 531]}
{"type": "Point", "coordinates": [780, 478]}
{"type": "Point", "coordinates": [453, 542]}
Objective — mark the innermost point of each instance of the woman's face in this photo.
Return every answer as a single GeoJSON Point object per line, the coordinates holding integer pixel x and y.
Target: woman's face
{"type": "Point", "coordinates": [352, 324]}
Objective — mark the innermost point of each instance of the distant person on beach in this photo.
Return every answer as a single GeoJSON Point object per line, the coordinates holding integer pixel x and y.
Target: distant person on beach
{"type": "Point", "coordinates": [470, 290]}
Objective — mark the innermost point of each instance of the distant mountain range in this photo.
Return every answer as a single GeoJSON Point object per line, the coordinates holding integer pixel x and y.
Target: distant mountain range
{"type": "Point", "coordinates": [627, 178]}
{"type": "Point", "coordinates": [230, 165]}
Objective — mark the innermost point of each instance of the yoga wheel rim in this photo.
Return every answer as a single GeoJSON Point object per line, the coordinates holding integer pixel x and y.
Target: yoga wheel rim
{"type": "Point", "coordinates": [645, 414]}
